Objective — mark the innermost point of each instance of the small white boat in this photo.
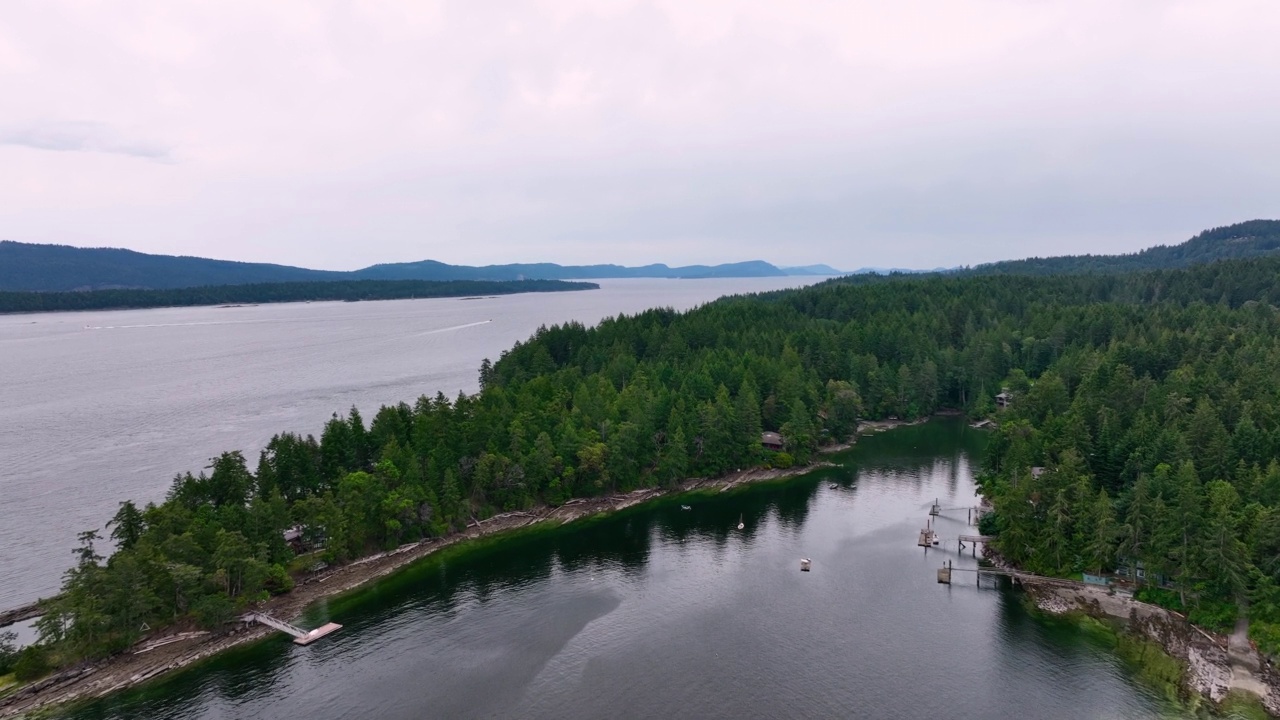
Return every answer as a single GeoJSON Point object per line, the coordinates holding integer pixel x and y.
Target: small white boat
{"type": "Point", "coordinates": [685, 507]}
{"type": "Point", "coordinates": [805, 564]}
{"type": "Point", "coordinates": [740, 523]}
{"type": "Point", "coordinates": [834, 486]}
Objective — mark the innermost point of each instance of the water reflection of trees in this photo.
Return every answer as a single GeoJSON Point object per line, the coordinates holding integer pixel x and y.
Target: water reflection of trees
{"type": "Point", "coordinates": [442, 586]}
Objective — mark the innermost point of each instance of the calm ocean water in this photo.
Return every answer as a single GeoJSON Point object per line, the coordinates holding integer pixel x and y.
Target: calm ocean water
{"type": "Point", "coordinates": [97, 408]}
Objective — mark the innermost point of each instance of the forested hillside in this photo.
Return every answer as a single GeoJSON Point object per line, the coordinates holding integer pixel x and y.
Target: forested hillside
{"type": "Point", "coordinates": [26, 267]}
{"type": "Point", "coordinates": [348, 290]}
{"type": "Point", "coordinates": [1242, 240]}
{"type": "Point", "coordinates": [1151, 398]}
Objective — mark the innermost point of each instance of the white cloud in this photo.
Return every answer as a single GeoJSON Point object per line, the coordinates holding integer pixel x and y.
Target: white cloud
{"type": "Point", "coordinates": [81, 137]}
{"type": "Point", "coordinates": [917, 133]}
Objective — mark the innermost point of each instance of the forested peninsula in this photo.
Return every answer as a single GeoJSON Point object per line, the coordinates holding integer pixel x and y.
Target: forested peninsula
{"type": "Point", "coordinates": [256, 293]}
{"type": "Point", "coordinates": [1148, 404]}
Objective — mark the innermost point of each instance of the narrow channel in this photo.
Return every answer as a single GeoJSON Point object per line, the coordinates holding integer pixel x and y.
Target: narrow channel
{"type": "Point", "coordinates": [664, 612]}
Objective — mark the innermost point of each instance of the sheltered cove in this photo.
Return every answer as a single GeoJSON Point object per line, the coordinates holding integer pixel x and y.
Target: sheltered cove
{"type": "Point", "coordinates": [1197, 663]}
{"type": "Point", "coordinates": [156, 656]}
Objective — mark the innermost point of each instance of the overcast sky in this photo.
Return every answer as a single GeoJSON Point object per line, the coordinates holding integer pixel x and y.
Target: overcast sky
{"type": "Point", "coordinates": [903, 133]}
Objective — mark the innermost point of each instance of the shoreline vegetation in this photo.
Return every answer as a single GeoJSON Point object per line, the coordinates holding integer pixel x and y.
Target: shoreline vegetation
{"type": "Point", "coordinates": [1139, 430]}
{"type": "Point", "coordinates": [156, 656]}
{"type": "Point", "coordinates": [12, 303]}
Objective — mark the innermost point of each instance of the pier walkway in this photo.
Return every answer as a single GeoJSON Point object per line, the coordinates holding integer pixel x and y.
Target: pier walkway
{"type": "Point", "coordinates": [973, 541]}
{"type": "Point", "coordinates": [1018, 576]}
{"type": "Point", "coordinates": [300, 636]}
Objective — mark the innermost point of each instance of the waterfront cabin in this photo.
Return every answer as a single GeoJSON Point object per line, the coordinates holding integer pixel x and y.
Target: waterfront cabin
{"type": "Point", "coordinates": [1136, 571]}
{"type": "Point", "coordinates": [771, 441]}
{"type": "Point", "coordinates": [1003, 398]}
{"type": "Point", "coordinates": [293, 537]}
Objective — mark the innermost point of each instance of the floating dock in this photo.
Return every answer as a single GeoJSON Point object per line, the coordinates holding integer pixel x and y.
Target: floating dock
{"type": "Point", "coordinates": [316, 634]}
{"type": "Point", "coordinates": [928, 536]}
{"type": "Point", "coordinates": [300, 636]}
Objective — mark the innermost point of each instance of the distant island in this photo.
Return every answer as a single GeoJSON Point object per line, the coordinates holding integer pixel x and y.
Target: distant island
{"type": "Point", "coordinates": [26, 267]}
{"type": "Point", "coordinates": [257, 293]}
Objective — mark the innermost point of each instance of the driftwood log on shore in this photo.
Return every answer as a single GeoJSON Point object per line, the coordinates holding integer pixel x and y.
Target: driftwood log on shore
{"type": "Point", "coordinates": [18, 614]}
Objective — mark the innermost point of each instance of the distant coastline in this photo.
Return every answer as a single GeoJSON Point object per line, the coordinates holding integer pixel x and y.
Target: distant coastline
{"type": "Point", "coordinates": [230, 296]}
{"type": "Point", "coordinates": [26, 267]}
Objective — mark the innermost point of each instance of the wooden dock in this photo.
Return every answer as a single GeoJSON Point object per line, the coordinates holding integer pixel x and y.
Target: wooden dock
{"type": "Point", "coordinates": [1018, 576]}
{"type": "Point", "coordinates": [974, 513]}
{"type": "Point", "coordinates": [300, 636]}
{"type": "Point", "coordinates": [973, 541]}
{"type": "Point", "coordinates": [928, 536]}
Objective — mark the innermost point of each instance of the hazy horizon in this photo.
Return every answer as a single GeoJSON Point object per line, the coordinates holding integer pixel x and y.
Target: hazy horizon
{"type": "Point", "coordinates": [337, 135]}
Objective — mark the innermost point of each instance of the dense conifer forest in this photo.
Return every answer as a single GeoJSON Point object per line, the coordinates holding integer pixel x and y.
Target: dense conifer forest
{"type": "Point", "coordinates": [348, 290]}
{"type": "Point", "coordinates": [1150, 400]}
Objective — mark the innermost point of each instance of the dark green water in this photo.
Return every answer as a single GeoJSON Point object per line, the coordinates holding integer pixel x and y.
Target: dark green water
{"type": "Point", "coordinates": [660, 612]}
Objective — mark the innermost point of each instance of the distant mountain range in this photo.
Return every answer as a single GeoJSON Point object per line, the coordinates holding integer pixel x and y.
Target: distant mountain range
{"type": "Point", "coordinates": [813, 270]}
{"type": "Point", "coordinates": [52, 268]}
{"type": "Point", "coordinates": [55, 268]}
{"type": "Point", "coordinates": [432, 270]}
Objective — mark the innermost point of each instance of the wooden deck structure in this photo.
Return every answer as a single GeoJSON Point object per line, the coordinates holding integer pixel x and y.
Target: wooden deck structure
{"type": "Point", "coordinates": [1018, 576]}
{"type": "Point", "coordinates": [300, 636]}
{"type": "Point", "coordinates": [974, 512]}
{"type": "Point", "coordinates": [973, 541]}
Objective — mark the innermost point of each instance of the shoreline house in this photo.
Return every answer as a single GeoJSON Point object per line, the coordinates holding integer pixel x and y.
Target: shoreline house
{"type": "Point", "coordinates": [293, 538]}
{"type": "Point", "coordinates": [771, 441]}
{"type": "Point", "coordinates": [1003, 398]}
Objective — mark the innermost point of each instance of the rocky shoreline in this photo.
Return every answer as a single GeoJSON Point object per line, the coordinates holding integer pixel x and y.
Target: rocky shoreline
{"type": "Point", "coordinates": [160, 654]}
{"type": "Point", "coordinates": [1213, 666]}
